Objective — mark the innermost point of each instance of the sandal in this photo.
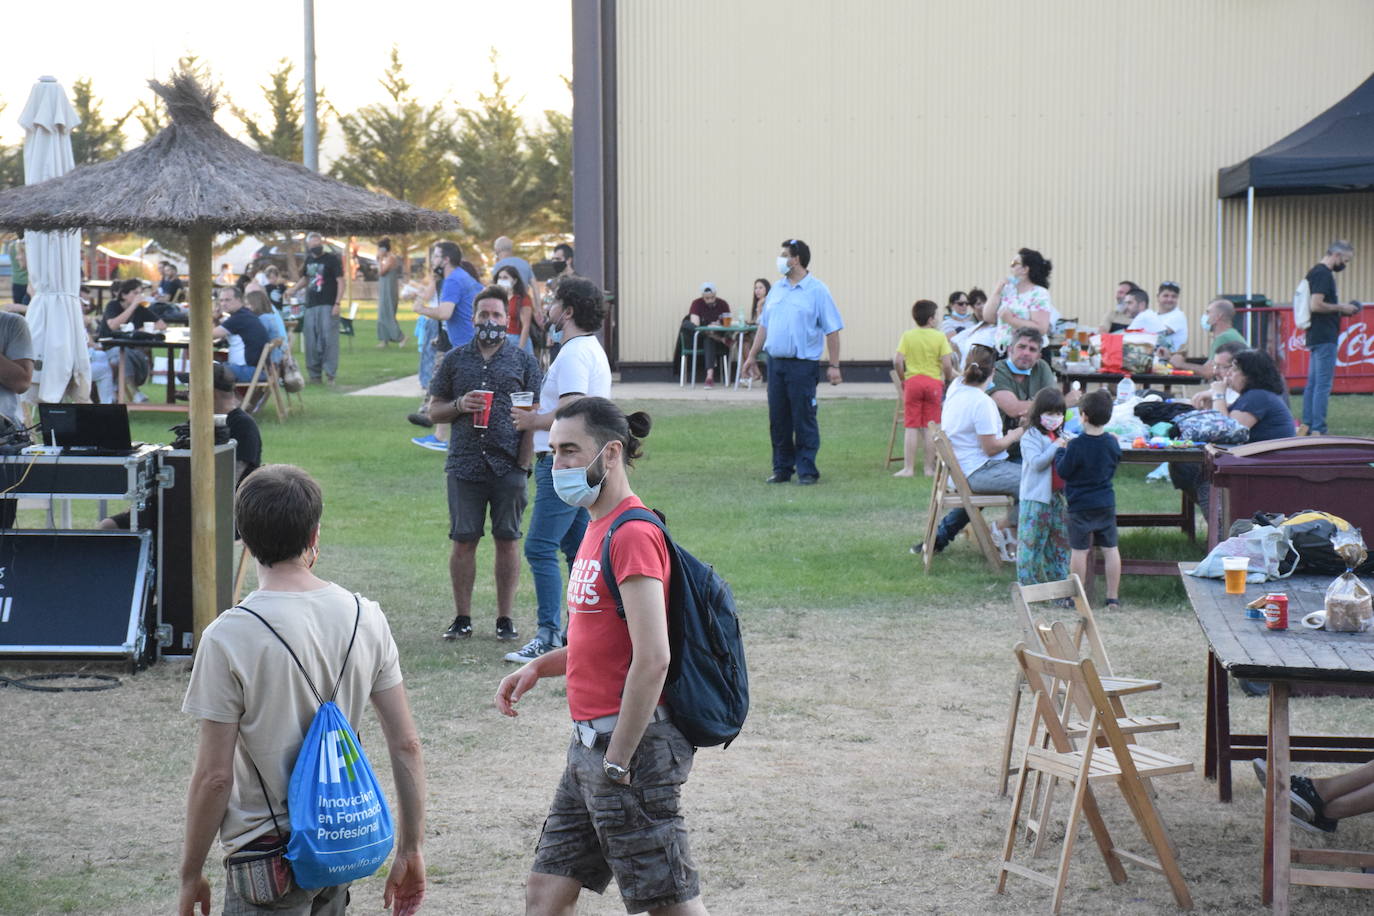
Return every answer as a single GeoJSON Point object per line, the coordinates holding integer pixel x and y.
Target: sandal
{"type": "Point", "coordinates": [1114, 603]}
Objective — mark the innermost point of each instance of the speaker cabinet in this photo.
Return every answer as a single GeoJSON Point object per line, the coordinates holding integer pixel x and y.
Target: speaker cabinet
{"type": "Point", "coordinates": [174, 545]}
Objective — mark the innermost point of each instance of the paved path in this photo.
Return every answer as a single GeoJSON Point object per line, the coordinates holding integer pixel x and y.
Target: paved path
{"type": "Point", "coordinates": [409, 388]}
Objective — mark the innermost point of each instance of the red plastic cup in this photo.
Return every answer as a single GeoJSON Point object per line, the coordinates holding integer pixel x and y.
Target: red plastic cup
{"type": "Point", "coordinates": [483, 416]}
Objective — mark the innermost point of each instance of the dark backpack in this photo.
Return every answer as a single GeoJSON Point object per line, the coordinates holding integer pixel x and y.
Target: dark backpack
{"type": "Point", "coordinates": [707, 686]}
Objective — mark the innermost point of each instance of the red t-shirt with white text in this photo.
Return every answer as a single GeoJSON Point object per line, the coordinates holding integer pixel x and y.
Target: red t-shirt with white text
{"type": "Point", "coordinates": [599, 647]}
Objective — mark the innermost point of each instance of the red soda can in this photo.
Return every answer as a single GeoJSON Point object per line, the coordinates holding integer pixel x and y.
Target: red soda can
{"type": "Point", "coordinates": [1276, 611]}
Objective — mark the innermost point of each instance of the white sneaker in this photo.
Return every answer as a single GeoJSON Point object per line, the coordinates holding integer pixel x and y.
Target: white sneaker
{"type": "Point", "coordinates": [529, 651]}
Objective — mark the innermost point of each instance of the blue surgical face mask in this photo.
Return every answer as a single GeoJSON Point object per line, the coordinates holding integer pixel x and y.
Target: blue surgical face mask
{"type": "Point", "coordinates": [572, 486]}
{"type": "Point", "coordinates": [1017, 369]}
{"type": "Point", "coordinates": [555, 333]}
{"type": "Point", "coordinates": [1206, 323]}
{"type": "Point", "coordinates": [782, 265]}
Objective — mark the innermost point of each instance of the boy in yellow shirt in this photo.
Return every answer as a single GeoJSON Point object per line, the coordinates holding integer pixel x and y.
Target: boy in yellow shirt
{"type": "Point", "coordinates": [925, 361]}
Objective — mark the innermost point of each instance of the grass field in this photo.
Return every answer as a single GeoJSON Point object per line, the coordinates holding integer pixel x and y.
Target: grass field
{"type": "Point", "coordinates": [863, 782]}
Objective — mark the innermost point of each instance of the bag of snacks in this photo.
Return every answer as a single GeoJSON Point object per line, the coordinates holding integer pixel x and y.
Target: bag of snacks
{"type": "Point", "coordinates": [1348, 604]}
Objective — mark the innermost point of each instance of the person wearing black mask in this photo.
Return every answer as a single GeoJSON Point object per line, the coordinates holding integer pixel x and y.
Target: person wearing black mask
{"type": "Point", "coordinates": [321, 322]}
{"type": "Point", "coordinates": [1324, 333]}
{"type": "Point", "coordinates": [562, 261]}
{"type": "Point", "coordinates": [489, 460]}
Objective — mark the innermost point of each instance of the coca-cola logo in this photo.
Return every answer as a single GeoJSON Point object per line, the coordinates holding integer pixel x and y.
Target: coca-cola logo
{"type": "Point", "coordinates": [1355, 346]}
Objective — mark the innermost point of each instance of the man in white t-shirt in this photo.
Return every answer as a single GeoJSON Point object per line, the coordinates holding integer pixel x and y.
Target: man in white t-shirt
{"type": "Point", "coordinates": [255, 705]}
{"type": "Point", "coordinates": [580, 370]}
{"type": "Point", "coordinates": [1174, 337]}
{"type": "Point", "coordinates": [1137, 306]}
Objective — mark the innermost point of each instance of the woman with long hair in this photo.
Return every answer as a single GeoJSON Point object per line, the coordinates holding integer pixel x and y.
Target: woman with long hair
{"type": "Point", "coordinates": [520, 308]}
{"type": "Point", "coordinates": [1025, 299]}
{"type": "Point", "coordinates": [388, 284]}
{"type": "Point", "coordinates": [1262, 406]}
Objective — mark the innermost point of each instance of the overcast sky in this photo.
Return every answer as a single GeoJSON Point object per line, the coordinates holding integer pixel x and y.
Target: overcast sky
{"type": "Point", "coordinates": [444, 48]}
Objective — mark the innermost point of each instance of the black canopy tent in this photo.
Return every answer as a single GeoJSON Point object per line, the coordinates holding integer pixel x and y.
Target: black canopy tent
{"type": "Point", "coordinates": [1331, 154]}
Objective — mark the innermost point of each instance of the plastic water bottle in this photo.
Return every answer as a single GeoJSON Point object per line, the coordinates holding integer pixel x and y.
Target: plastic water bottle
{"type": "Point", "coordinates": [1125, 390]}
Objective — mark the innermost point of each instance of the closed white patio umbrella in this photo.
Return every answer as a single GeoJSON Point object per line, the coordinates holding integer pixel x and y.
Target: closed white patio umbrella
{"type": "Point", "coordinates": [59, 336]}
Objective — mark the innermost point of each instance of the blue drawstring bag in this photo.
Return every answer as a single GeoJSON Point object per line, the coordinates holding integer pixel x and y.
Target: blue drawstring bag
{"type": "Point", "coordinates": [341, 826]}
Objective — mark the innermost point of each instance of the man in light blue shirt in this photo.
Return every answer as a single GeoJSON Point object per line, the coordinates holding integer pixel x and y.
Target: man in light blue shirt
{"type": "Point", "coordinates": [798, 316]}
{"type": "Point", "coordinates": [506, 257]}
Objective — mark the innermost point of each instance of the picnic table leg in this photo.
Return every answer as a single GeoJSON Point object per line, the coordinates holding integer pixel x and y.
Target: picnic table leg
{"type": "Point", "coordinates": [1209, 729]}
{"type": "Point", "coordinates": [1277, 845]}
{"type": "Point", "coordinates": [1189, 516]}
{"type": "Point", "coordinates": [1223, 733]}
{"type": "Point", "coordinates": [119, 380]}
{"type": "Point", "coordinates": [171, 375]}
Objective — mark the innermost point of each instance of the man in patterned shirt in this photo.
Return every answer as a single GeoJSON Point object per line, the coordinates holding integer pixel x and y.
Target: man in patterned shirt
{"type": "Point", "coordinates": [488, 458]}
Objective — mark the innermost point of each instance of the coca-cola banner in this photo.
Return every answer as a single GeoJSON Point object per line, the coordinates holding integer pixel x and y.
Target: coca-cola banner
{"type": "Point", "coordinates": [1354, 352]}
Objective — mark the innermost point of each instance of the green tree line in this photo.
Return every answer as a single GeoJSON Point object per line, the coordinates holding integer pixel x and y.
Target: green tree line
{"type": "Point", "coordinates": [501, 175]}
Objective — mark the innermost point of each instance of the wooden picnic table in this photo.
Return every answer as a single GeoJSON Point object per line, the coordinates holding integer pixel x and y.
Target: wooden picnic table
{"type": "Point", "coordinates": [1295, 661]}
{"type": "Point", "coordinates": [1141, 379]}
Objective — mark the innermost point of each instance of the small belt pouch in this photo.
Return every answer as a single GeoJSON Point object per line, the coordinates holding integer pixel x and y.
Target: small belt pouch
{"type": "Point", "coordinates": [260, 873]}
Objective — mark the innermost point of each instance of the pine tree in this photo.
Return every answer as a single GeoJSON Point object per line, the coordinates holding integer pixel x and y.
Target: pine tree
{"type": "Point", "coordinates": [11, 163]}
{"type": "Point", "coordinates": [398, 147]}
{"type": "Point", "coordinates": [94, 139]}
{"type": "Point", "coordinates": [494, 172]}
{"type": "Point", "coordinates": [285, 138]}
{"type": "Point", "coordinates": [551, 151]}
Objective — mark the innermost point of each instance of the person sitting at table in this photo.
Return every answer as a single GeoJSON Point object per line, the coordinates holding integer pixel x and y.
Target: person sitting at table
{"type": "Point", "coordinates": [959, 314]}
{"type": "Point", "coordinates": [127, 307]}
{"type": "Point", "coordinates": [1017, 379]}
{"type": "Point", "coordinates": [169, 287]}
{"type": "Point", "coordinates": [1221, 363]}
{"type": "Point", "coordinates": [1117, 318]}
{"type": "Point", "coordinates": [970, 420]}
{"type": "Point", "coordinates": [1174, 338]}
{"type": "Point", "coordinates": [1218, 320]}
{"type": "Point", "coordinates": [272, 323]}
{"type": "Point", "coordinates": [706, 310]}
{"type": "Point", "coordinates": [274, 287]}
{"type": "Point", "coordinates": [240, 322]}
{"type": "Point", "coordinates": [1318, 803]}
{"type": "Point", "coordinates": [1139, 315]}
{"type": "Point", "coordinates": [1261, 406]}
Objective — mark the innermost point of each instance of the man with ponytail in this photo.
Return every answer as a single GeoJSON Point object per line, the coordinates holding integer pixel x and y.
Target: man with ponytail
{"type": "Point", "coordinates": [615, 812]}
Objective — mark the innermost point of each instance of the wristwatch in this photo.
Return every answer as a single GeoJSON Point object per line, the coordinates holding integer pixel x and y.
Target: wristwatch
{"type": "Point", "coordinates": [614, 771]}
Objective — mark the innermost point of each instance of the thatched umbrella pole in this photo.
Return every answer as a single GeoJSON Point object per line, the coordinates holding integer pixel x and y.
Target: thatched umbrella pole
{"type": "Point", "coordinates": [203, 582]}
{"type": "Point", "coordinates": [194, 178]}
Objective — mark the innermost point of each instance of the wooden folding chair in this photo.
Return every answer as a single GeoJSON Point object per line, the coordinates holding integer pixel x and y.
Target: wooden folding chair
{"type": "Point", "coordinates": [898, 418]}
{"type": "Point", "coordinates": [265, 383]}
{"type": "Point", "coordinates": [942, 499]}
{"type": "Point", "coordinates": [1102, 756]}
{"type": "Point", "coordinates": [1082, 633]}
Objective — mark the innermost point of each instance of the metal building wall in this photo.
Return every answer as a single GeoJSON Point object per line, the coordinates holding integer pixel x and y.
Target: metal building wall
{"type": "Point", "coordinates": [916, 146]}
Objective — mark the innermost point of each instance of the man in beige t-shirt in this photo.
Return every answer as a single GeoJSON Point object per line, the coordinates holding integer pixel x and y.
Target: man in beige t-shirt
{"type": "Point", "coordinates": [255, 705]}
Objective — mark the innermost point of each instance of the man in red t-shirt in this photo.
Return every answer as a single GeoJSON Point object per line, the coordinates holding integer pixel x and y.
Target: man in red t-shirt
{"type": "Point", "coordinates": [705, 310]}
{"type": "Point", "coordinates": [617, 802]}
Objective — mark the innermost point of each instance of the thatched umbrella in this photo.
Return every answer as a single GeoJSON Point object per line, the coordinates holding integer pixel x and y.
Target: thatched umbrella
{"type": "Point", "coordinates": [194, 178]}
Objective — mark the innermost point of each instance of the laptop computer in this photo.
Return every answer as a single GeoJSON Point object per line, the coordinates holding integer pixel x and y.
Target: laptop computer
{"type": "Point", "coordinates": [86, 429]}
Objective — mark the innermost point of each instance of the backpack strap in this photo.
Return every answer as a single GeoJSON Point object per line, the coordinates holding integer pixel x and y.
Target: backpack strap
{"type": "Point", "coordinates": [629, 515]}
{"type": "Point", "coordinates": [357, 616]}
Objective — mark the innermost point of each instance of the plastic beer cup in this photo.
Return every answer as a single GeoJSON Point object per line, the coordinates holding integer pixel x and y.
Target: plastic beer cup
{"type": "Point", "coordinates": [522, 400]}
{"type": "Point", "coordinates": [483, 416]}
{"type": "Point", "coordinates": [1235, 569]}
{"type": "Point", "coordinates": [725, 320]}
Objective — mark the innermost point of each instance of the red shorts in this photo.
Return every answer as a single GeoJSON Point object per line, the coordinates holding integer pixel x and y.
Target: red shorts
{"type": "Point", "coordinates": [921, 400]}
